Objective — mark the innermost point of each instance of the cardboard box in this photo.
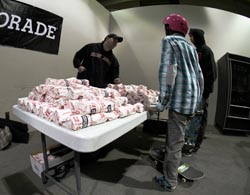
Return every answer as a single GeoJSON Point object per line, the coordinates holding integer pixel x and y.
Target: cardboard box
{"type": "Point", "coordinates": [38, 167]}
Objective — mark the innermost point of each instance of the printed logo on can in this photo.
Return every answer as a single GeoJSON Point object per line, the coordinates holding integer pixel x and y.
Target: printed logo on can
{"type": "Point", "coordinates": [109, 108]}
{"type": "Point", "coordinates": [93, 111]}
{"type": "Point", "coordinates": [84, 121]}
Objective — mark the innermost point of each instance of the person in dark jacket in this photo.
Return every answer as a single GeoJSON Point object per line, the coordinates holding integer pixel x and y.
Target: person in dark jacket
{"type": "Point", "coordinates": [97, 63]}
{"type": "Point", "coordinates": [209, 70]}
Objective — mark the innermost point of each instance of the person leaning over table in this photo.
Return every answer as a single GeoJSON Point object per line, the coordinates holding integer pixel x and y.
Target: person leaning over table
{"type": "Point", "coordinates": [181, 88]}
{"type": "Point", "coordinates": [97, 63]}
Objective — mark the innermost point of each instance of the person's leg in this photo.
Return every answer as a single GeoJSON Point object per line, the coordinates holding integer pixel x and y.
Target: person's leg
{"type": "Point", "coordinates": [203, 124]}
{"type": "Point", "coordinates": [157, 153]}
{"type": "Point", "coordinates": [190, 136]}
{"type": "Point", "coordinates": [174, 143]}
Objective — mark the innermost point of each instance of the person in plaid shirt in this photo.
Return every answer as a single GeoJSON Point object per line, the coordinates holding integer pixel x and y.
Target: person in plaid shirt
{"type": "Point", "coordinates": [181, 88]}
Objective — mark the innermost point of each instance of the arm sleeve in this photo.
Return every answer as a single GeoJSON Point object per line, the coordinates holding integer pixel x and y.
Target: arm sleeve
{"type": "Point", "coordinates": [210, 74]}
{"type": "Point", "coordinates": [79, 57]}
{"type": "Point", "coordinates": [115, 69]}
{"type": "Point", "coordinates": [167, 74]}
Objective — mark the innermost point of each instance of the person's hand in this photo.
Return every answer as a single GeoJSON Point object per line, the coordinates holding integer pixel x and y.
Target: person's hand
{"type": "Point", "coordinates": [152, 109]}
{"type": "Point", "coordinates": [117, 81]}
{"type": "Point", "coordinates": [81, 69]}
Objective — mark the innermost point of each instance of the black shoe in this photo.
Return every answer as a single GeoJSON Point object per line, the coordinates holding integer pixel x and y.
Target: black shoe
{"type": "Point", "coordinates": [187, 150]}
{"type": "Point", "coordinates": [187, 153]}
{"type": "Point", "coordinates": [196, 148]}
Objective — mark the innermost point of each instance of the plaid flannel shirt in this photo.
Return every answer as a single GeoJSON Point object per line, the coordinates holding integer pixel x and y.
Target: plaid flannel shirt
{"type": "Point", "coordinates": [180, 76]}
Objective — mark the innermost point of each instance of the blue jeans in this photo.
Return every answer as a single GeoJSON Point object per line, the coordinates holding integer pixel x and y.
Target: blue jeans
{"type": "Point", "coordinates": [203, 123]}
{"type": "Point", "coordinates": [174, 142]}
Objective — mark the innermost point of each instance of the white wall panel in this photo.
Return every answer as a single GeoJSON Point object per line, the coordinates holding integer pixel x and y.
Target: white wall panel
{"type": "Point", "coordinates": [142, 28]}
{"type": "Point", "coordinates": [84, 21]}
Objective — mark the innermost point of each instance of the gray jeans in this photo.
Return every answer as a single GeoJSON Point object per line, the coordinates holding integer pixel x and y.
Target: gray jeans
{"type": "Point", "coordinates": [174, 142]}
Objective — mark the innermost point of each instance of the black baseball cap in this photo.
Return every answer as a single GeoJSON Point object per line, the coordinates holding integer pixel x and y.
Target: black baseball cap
{"type": "Point", "coordinates": [115, 36]}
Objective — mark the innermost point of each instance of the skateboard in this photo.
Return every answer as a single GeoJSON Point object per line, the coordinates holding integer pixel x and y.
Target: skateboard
{"type": "Point", "coordinates": [189, 173]}
{"type": "Point", "coordinates": [193, 128]}
{"type": "Point", "coordinates": [185, 171]}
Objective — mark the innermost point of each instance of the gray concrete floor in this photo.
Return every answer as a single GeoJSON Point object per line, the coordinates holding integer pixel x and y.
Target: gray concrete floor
{"type": "Point", "coordinates": [124, 168]}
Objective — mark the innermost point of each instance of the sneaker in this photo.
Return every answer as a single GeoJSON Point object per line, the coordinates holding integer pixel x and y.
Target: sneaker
{"type": "Point", "coordinates": [187, 150]}
{"type": "Point", "coordinates": [187, 153]}
{"type": "Point", "coordinates": [164, 183]}
{"type": "Point", "coordinates": [196, 148]}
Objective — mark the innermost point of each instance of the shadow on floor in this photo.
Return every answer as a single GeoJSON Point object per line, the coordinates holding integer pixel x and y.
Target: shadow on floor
{"type": "Point", "coordinates": [19, 183]}
{"type": "Point", "coordinates": [133, 145]}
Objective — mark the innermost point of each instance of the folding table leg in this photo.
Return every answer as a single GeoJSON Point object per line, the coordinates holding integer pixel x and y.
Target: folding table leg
{"type": "Point", "coordinates": [77, 172]}
{"type": "Point", "coordinates": [45, 157]}
{"type": "Point", "coordinates": [76, 165]}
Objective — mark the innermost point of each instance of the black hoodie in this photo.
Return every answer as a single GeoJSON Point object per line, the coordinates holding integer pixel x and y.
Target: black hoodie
{"type": "Point", "coordinates": [102, 67]}
{"type": "Point", "coordinates": [206, 60]}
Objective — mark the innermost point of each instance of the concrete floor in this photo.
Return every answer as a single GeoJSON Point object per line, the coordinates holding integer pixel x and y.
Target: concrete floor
{"type": "Point", "coordinates": [124, 168]}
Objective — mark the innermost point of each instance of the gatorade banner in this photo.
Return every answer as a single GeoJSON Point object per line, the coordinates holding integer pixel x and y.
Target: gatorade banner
{"type": "Point", "coordinates": [28, 27]}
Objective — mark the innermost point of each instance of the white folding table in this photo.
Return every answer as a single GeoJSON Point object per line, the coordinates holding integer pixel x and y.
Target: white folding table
{"type": "Point", "coordinates": [84, 140]}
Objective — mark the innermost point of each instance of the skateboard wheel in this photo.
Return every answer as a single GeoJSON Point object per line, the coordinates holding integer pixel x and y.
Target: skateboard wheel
{"type": "Point", "coordinates": [183, 180]}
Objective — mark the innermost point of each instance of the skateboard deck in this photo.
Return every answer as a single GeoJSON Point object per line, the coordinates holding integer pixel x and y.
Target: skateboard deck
{"type": "Point", "coordinates": [185, 171]}
{"type": "Point", "coordinates": [189, 173]}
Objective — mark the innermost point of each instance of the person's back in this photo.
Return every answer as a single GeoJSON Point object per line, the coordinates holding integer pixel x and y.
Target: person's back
{"type": "Point", "coordinates": [186, 91]}
{"type": "Point", "coordinates": [206, 60]}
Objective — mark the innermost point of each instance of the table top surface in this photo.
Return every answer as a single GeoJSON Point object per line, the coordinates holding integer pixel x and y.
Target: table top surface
{"type": "Point", "coordinates": [84, 140]}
